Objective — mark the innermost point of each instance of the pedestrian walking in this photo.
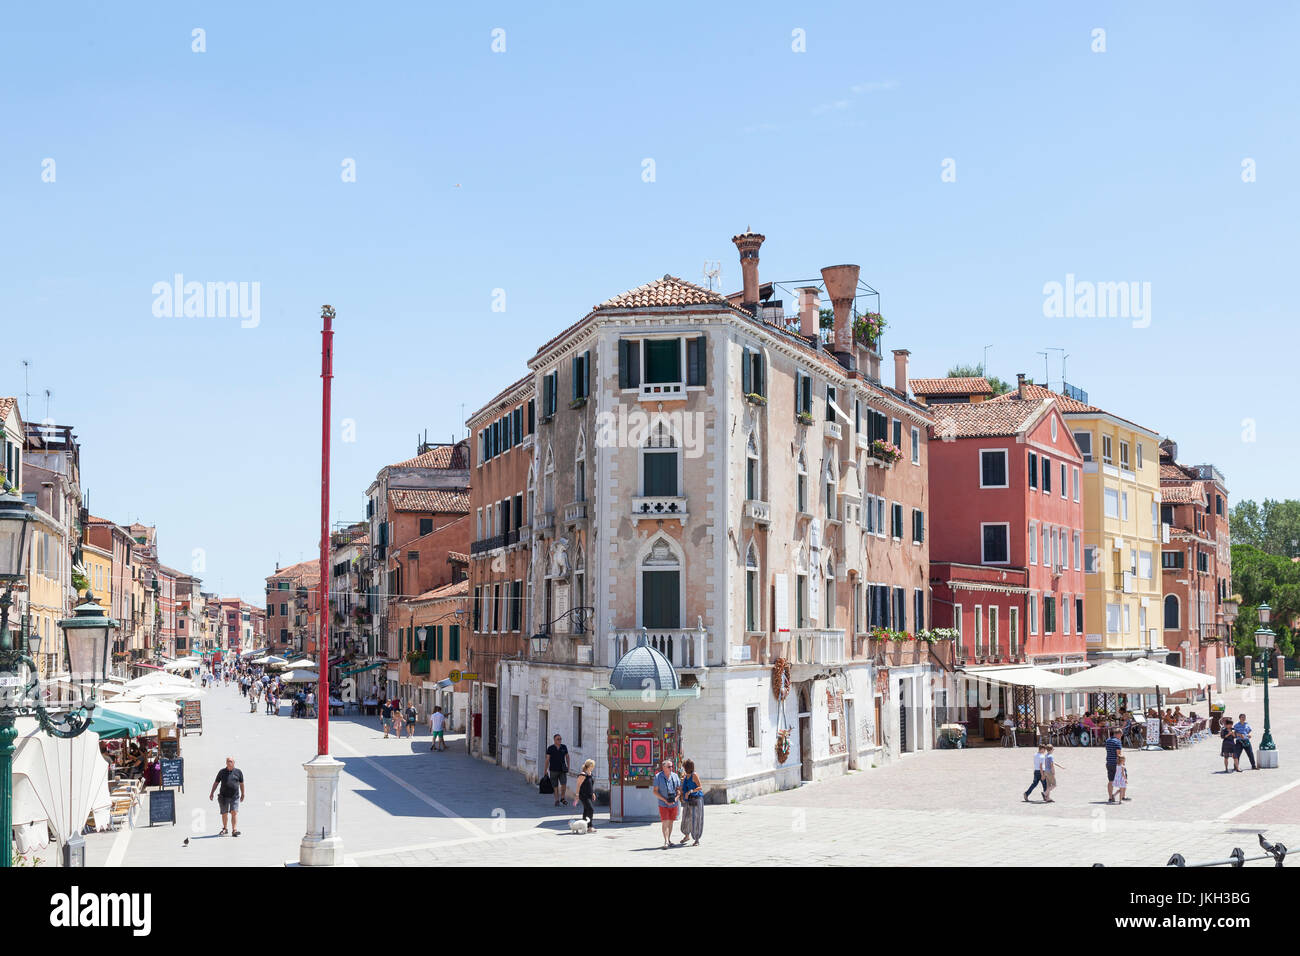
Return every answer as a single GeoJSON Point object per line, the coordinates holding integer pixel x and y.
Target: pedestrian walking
{"type": "Point", "coordinates": [231, 782]}
{"type": "Point", "coordinates": [1113, 747]}
{"type": "Point", "coordinates": [385, 714]}
{"type": "Point", "coordinates": [1038, 772]}
{"type": "Point", "coordinates": [692, 803]}
{"type": "Point", "coordinates": [1121, 779]}
{"type": "Point", "coordinates": [557, 762]}
{"type": "Point", "coordinates": [587, 794]}
{"type": "Point", "coordinates": [411, 715]}
{"type": "Point", "coordinates": [1049, 774]}
{"type": "Point", "coordinates": [668, 792]}
{"type": "Point", "coordinates": [437, 723]}
{"type": "Point", "coordinates": [398, 721]}
{"type": "Point", "coordinates": [1227, 749]}
{"type": "Point", "coordinates": [1242, 731]}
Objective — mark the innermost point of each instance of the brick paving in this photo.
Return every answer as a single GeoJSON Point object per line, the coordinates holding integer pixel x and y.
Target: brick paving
{"type": "Point", "coordinates": [404, 806]}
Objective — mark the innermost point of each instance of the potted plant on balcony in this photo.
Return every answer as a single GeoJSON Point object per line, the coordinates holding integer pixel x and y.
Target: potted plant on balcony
{"type": "Point", "coordinates": [867, 328]}
{"type": "Point", "coordinates": [804, 418]}
{"type": "Point", "coordinates": [886, 451]}
{"type": "Point", "coordinates": [755, 399]}
{"type": "Point", "coordinates": [578, 402]}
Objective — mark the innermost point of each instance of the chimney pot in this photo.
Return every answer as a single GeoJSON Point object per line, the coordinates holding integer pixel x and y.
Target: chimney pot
{"type": "Point", "coordinates": [842, 287]}
{"type": "Point", "coordinates": [1020, 385]}
{"type": "Point", "coordinates": [809, 311]}
{"type": "Point", "coordinates": [900, 371]}
{"type": "Point", "coordinates": [748, 244]}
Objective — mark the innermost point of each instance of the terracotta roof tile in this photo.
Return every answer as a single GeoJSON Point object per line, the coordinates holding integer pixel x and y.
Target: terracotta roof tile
{"type": "Point", "coordinates": [442, 456]}
{"type": "Point", "coordinates": [982, 419]}
{"type": "Point", "coordinates": [304, 572]}
{"type": "Point", "coordinates": [442, 502]}
{"type": "Point", "coordinates": [1067, 405]}
{"type": "Point", "coordinates": [668, 291]}
{"type": "Point", "coordinates": [950, 386]}
{"type": "Point", "coordinates": [459, 589]}
{"type": "Point", "coordinates": [1188, 494]}
{"type": "Point", "coordinates": [6, 406]}
{"type": "Point", "coordinates": [1175, 472]}
{"type": "Point", "coordinates": [458, 557]}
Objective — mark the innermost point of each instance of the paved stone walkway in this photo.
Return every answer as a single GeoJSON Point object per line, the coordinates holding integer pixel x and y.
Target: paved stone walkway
{"type": "Point", "coordinates": [402, 805]}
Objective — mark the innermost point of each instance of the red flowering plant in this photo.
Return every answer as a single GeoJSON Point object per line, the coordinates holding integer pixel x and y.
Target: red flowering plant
{"type": "Point", "coordinates": [868, 327]}
{"type": "Point", "coordinates": [886, 451]}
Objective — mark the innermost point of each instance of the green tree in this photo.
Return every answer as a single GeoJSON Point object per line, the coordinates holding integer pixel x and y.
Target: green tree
{"type": "Point", "coordinates": [1259, 578]}
{"type": "Point", "coordinates": [977, 371]}
{"type": "Point", "coordinates": [1273, 527]}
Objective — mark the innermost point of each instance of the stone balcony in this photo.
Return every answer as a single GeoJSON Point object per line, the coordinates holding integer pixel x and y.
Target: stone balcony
{"type": "Point", "coordinates": [834, 431]}
{"type": "Point", "coordinates": [544, 523]}
{"type": "Point", "coordinates": [574, 513]}
{"type": "Point", "coordinates": [817, 646]}
{"type": "Point", "coordinates": [660, 506]}
{"type": "Point", "coordinates": [662, 391]}
{"type": "Point", "coordinates": [759, 512]}
{"type": "Point", "coordinates": [685, 648]}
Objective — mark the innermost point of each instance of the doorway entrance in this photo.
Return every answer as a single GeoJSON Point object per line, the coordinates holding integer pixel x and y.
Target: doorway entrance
{"type": "Point", "coordinates": [491, 715]}
{"type": "Point", "coordinates": [543, 741]}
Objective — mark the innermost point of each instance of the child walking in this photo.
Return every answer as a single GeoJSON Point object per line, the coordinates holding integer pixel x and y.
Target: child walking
{"type": "Point", "coordinates": [1121, 778]}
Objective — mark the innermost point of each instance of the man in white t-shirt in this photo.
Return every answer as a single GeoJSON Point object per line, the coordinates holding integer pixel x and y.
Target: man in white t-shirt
{"type": "Point", "coordinates": [437, 721]}
{"type": "Point", "coordinates": [1039, 777]}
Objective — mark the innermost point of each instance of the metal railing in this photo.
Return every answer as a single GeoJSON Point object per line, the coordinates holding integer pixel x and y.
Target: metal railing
{"type": "Point", "coordinates": [1237, 858]}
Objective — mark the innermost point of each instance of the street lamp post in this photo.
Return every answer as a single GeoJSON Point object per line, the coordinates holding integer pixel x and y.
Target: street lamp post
{"type": "Point", "coordinates": [87, 637]}
{"type": "Point", "coordinates": [1264, 639]}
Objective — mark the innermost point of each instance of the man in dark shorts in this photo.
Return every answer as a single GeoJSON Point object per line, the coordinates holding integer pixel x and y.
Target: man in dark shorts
{"type": "Point", "coordinates": [557, 764]}
{"type": "Point", "coordinates": [231, 782]}
{"type": "Point", "coordinates": [1113, 747]}
{"type": "Point", "coordinates": [386, 714]}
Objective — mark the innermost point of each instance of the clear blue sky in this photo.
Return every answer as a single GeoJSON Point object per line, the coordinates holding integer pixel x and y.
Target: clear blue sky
{"type": "Point", "coordinates": [522, 170]}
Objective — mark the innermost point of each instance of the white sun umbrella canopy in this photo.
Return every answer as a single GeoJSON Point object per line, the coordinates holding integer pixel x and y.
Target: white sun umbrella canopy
{"type": "Point", "coordinates": [68, 778]}
{"type": "Point", "coordinates": [183, 664]}
{"type": "Point", "coordinates": [303, 662]}
{"type": "Point", "coordinates": [300, 677]}
{"type": "Point", "coordinates": [159, 710]}
{"type": "Point", "coordinates": [157, 679]}
{"type": "Point", "coordinates": [1194, 678]}
{"type": "Point", "coordinates": [1135, 677]}
{"type": "Point", "coordinates": [171, 692]}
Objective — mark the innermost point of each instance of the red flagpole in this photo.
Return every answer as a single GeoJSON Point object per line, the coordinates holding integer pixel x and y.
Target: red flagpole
{"type": "Point", "coordinates": [323, 646]}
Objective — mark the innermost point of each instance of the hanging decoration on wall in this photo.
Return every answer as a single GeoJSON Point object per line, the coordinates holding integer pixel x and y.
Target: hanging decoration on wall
{"type": "Point", "coordinates": [781, 690]}
{"type": "Point", "coordinates": [780, 678]}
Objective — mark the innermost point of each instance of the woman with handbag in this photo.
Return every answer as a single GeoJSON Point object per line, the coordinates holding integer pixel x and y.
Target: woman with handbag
{"type": "Point", "coordinates": [692, 803]}
{"type": "Point", "coordinates": [587, 794]}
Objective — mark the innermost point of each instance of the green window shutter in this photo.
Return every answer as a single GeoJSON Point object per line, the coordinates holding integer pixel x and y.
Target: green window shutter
{"type": "Point", "coordinates": [696, 367]}
{"type": "Point", "coordinates": [629, 363]}
{"type": "Point", "coordinates": [586, 373]}
{"type": "Point", "coordinates": [760, 374]}
{"type": "Point", "coordinates": [661, 599]}
{"type": "Point", "coordinates": [576, 375]}
{"type": "Point", "coordinates": [746, 373]}
{"type": "Point", "coordinates": [807, 393]}
{"type": "Point", "coordinates": [660, 473]}
{"type": "Point", "coordinates": [454, 635]}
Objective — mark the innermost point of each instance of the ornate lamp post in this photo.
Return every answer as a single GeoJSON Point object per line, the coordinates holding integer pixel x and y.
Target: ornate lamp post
{"type": "Point", "coordinates": [87, 639]}
{"type": "Point", "coordinates": [1264, 639]}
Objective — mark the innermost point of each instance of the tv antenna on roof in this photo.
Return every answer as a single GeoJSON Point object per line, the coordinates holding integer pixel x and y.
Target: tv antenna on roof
{"type": "Point", "coordinates": [27, 389]}
{"type": "Point", "coordinates": [49, 393]}
{"type": "Point", "coordinates": [712, 272]}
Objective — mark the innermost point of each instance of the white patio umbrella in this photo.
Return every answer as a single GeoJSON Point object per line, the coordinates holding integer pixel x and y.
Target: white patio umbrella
{"type": "Point", "coordinates": [302, 662]}
{"type": "Point", "coordinates": [156, 709]}
{"type": "Point", "coordinates": [68, 778]}
{"type": "Point", "coordinates": [171, 693]}
{"type": "Point", "coordinates": [157, 679]}
{"type": "Point", "coordinates": [300, 677]}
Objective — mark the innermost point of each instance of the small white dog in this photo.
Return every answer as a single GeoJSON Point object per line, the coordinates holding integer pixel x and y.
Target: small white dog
{"type": "Point", "coordinates": [578, 826]}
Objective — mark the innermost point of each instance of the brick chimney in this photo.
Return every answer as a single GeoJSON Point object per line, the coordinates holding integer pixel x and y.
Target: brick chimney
{"type": "Point", "coordinates": [809, 311]}
{"type": "Point", "coordinates": [900, 371]}
{"type": "Point", "coordinates": [842, 287]}
{"type": "Point", "coordinates": [748, 243]}
{"type": "Point", "coordinates": [1020, 385]}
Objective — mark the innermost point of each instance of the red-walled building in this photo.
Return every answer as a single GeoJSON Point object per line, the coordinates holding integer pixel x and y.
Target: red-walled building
{"type": "Point", "coordinates": [1006, 540]}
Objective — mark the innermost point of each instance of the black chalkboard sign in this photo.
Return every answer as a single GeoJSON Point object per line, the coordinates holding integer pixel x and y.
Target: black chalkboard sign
{"type": "Point", "coordinates": [162, 807]}
{"type": "Point", "coordinates": [173, 772]}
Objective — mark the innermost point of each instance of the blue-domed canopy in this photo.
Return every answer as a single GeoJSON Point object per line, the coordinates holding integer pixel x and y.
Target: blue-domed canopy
{"type": "Point", "coordinates": [640, 664]}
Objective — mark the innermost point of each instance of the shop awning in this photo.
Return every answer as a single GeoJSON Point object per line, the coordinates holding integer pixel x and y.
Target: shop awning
{"type": "Point", "coordinates": [110, 724]}
{"type": "Point", "coordinates": [368, 667]}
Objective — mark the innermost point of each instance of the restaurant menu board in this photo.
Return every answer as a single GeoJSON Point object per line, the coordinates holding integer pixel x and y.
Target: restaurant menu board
{"type": "Point", "coordinates": [162, 807]}
{"type": "Point", "coordinates": [193, 717]}
{"type": "Point", "coordinates": [173, 773]}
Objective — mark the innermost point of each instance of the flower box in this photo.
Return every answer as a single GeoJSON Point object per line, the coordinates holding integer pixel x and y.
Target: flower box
{"type": "Point", "coordinates": [886, 451]}
{"type": "Point", "coordinates": [755, 399]}
{"type": "Point", "coordinates": [804, 418]}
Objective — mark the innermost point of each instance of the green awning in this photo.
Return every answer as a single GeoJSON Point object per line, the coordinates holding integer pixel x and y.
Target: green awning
{"type": "Point", "coordinates": [109, 724]}
{"type": "Point", "coordinates": [368, 667]}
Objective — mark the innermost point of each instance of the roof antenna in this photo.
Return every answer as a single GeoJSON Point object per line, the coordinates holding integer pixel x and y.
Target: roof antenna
{"type": "Point", "coordinates": [27, 389]}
